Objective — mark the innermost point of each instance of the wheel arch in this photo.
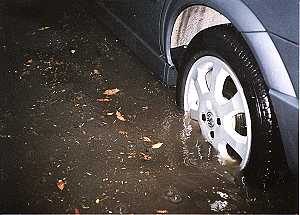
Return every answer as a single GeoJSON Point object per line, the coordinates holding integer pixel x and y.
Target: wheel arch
{"type": "Point", "coordinates": [245, 21]}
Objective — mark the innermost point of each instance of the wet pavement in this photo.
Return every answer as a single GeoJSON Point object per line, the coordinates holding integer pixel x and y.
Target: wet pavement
{"type": "Point", "coordinates": [56, 124]}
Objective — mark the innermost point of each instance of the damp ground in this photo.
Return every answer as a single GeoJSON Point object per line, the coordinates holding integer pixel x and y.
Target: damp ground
{"type": "Point", "coordinates": [131, 152]}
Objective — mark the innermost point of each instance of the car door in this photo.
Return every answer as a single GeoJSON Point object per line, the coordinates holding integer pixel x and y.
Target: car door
{"type": "Point", "coordinates": [142, 17]}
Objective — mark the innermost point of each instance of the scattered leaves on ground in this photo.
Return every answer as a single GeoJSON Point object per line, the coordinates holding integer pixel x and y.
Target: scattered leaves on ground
{"type": "Point", "coordinates": [145, 156]}
{"type": "Point", "coordinates": [111, 92]}
{"type": "Point", "coordinates": [60, 184]}
{"type": "Point", "coordinates": [161, 211]}
{"type": "Point", "coordinates": [103, 100]}
{"type": "Point", "coordinates": [120, 116]}
{"type": "Point", "coordinates": [147, 139]}
{"type": "Point", "coordinates": [157, 145]}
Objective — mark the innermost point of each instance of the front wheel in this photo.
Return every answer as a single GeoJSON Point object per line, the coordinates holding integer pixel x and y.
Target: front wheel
{"type": "Point", "coordinates": [221, 86]}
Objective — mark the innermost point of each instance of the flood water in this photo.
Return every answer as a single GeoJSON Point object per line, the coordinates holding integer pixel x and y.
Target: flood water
{"type": "Point", "coordinates": [56, 63]}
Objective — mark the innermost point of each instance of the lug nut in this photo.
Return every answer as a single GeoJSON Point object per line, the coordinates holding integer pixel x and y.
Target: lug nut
{"type": "Point", "coordinates": [212, 134]}
{"type": "Point", "coordinates": [218, 121]}
{"type": "Point", "coordinates": [203, 117]}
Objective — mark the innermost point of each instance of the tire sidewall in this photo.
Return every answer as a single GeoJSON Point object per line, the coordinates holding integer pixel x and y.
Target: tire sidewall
{"type": "Point", "coordinates": [254, 92]}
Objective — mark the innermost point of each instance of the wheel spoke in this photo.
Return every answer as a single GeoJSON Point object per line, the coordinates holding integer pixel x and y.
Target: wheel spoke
{"type": "Point", "coordinates": [236, 141]}
{"type": "Point", "coordinates": [232, 107]}
{"type": "Point", "coordinates": [200, 82]}
{"type": "Point", "coordinates": [218, 78]}
{"type": "Point", "coordinates": [194, 114]}
{"type": "Point", "coordinates": [237, 103]}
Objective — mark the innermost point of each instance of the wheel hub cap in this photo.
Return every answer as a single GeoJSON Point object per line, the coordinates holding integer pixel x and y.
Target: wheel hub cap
{"type": "Point", "coordinates": [210, 119]}
{"type": "Point", "coordinates": [214, 97]}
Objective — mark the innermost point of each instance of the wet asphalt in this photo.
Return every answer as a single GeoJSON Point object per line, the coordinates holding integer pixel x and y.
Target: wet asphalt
{"type": "Point", "coordinates": [57, 60]}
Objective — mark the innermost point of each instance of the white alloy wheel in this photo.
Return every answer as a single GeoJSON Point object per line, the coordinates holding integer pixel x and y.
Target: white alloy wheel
{"type": "Point", "coordinates": [224, 118]}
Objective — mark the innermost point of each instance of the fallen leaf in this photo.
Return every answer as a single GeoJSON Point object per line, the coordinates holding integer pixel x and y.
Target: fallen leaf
{"type": "Point", "coordinates": [111, 92]}
{"type": "Point", "coordinates": [157, 145]}
{"type": "Point", "coordinates": [147, 139]}
{"type": "Point", "coordinates": [60, 184]}
{"type": "Point", "coordinates": [103, 100]}
{"type": "Point", "coordinates": [123, 132]}
{"type": "Point", "coordinates": [161, 211]}
{"type": "Point", "coordinates": [77, 211]}
{"type": "Point", "coordinates": [145, 156]}
{"type": "Point", "coordinates": [120, 117]}
{"type": "Point", "coordinates": [109, 114]}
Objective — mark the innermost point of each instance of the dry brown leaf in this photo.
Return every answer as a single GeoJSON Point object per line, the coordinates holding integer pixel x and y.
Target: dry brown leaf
{"type": "Point", "coordinates": [146, 157]}
{"type": "Point", "coordinates": [157, 145]}
{"type": "Point", "coordinates": [60, 184]}
{"type": "Point", "coordinates": [120, 117]}
{"type": "Point", "coordinates": [109, 114]}
{"type": "Point", "coordinates": [161, 211]}
{"type": "Point", "coordinates": [103, 100]}
{"type": "Point", "coordinates": [111, 92]}
{"type": "Point", "coordinates": [147, 139]}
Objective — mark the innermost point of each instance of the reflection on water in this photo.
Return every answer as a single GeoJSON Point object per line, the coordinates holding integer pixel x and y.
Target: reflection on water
{"type": "Point", "coordinates": [218, 183]}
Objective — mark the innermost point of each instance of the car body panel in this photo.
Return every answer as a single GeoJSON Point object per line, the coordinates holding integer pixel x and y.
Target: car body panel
{"type": "Point", "coordinates": [289, 53]}
{"type": "Point", "coordinates": [287, 112]}
{"type": "Point", "coordinates": [286, 22]}
{"type": "Point", "coordinates": [141, 48]}
{"type": "Point", "coordinates": [270, 62]}
{"type": "Point", "coordinates": [136, 13]}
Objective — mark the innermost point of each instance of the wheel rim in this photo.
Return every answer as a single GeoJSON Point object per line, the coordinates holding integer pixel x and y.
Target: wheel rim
{"type": "Point", "coordinates": [215, 98]}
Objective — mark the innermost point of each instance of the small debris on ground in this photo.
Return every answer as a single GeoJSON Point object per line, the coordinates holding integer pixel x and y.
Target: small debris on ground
{"type": "Point", "coordinates": [145, 156]}
{"type": "Point", "coordinates": [120, 117]}
{"type": "Point", "coordinates": [157, 145]}
{"type": "Point", "coordinates": [77, 211]}
{"type": "Point", "coordinates": [161, 211]}
{"type": "Point", "coordinates": [60, 184]}
{"type": "Point", "coordinates": [123, 132]}
{"type": "Point", "coordinates": [111, 92]}
{"type": "Point", "coordinates": [146, 139]}
{"type": "Point", "coordinates": [103, 100]}
{"type": "Point", "coordinates": [43, 28]}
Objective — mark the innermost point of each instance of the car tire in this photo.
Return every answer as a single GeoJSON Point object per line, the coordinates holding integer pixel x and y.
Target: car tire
{"type": "Point", "coordinates": [246, 128]}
